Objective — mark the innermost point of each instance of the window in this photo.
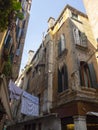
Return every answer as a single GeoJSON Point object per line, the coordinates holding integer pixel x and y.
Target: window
{"type": "Point", "coordinates": [24, 22]}
{"type": "Point", "coordinates": [18, 33]}
{"type": "Point", "coordinates": [61, 44]}
{"type": "Point", "coordinates": [87, 75]}
{"type": "Point", "coordinates": [75, 16]}
{"type": "Point", "coordinates": [8, 41]}
{"type": "Point", "coordinates": [79, 38]}
{"type": "Point", "coordinates": [62, 79]}
{"type": "Point", "coordinates": [17, 52]}
{"type": "Point", "coordinates": [60, 21]}
{"type": "Point", "coordinates": [8, 33]}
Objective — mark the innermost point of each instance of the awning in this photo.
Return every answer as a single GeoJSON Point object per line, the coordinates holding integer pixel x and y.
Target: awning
{"type": "Point", "coordinates": [92, 113]}
{"type": "Point", "coordinates": [4, 96]}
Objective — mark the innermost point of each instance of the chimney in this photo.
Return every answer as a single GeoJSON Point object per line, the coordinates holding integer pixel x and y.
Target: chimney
{"type": "Point", "coordinates": [51, 22]}
{"type": "Point", "coordinates": [31, 54]}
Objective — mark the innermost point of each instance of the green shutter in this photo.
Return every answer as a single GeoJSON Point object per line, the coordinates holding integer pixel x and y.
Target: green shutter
{"type": "Point", "coordinates": [80, 73]}
{"type": "Point", "coordinates": [8, 42]}
{"type": "Point", "coordinates": [65, 77]}
{"type": "Point", "coordinates": [59, 81]}
{"type": "Point", "coordinates": [93, 76]}
{"type": "Point", "coordinates": [81, 81]}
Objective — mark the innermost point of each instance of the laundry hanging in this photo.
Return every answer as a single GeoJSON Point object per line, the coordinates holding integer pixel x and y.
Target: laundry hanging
{"type": "Point", "coordinates": [15, 91]}
{"type": "Point", "coordinates": [30, 105]}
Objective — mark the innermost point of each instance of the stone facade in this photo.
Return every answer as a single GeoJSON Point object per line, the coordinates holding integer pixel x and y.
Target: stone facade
{"type": "Point", "coordinates": [91, 9]}
{"type": "Point", "coordinates": [12, 43]}
{"type": "Point", "coordinates": [63, 74]}
{"type": "Point", "coordinates": [11, 48]}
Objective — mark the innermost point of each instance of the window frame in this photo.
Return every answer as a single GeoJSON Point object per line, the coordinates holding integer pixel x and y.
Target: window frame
{"type": "Point", "coordinates": [62, 79]}
{"type": "Point", "coordinates": [80, 38]}
{"type": "Point", "coordinates": [61, 44]}
{"type": "Point", "coordinates": [74, 16]}
{"type": "Point", "coordinates": [88, 69]}
{"type": "Point", "coordinates": [85, 75]}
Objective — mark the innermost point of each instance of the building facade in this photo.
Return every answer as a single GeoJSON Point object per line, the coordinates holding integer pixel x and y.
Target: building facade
{"type": "Point", "coordinates": [63, 74]}
{"type": "Point", "coordinates": [5, 109]}
{"type": "Point", "coordinates": [91, 9]}
{"type": "Point", "coordinates": [12, 42]}
{"type": "Point", "coordinates": [73, 72]}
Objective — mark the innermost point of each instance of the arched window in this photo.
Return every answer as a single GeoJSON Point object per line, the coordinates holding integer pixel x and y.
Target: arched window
{"type": "Point", "coordinates": [87, 75]}
{"type": "Point", "coordinates": [79, 37]}
{"type": "Point", "coordinates": [76, 35]}
{"type": "Point", "coordinates": [61, 44]}
{"type": "Point", "coordinates": [62, 79]}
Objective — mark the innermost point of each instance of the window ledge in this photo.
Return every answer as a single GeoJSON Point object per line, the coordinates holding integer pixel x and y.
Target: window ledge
{"type": "Point", "coordinates": [65, 92]}
{"type": "Point", "coordinates": [81, 47]}
{"type": "Point", "coordinates": [88, 89]}
{"type": "Point", "coordinates": [76, 20]}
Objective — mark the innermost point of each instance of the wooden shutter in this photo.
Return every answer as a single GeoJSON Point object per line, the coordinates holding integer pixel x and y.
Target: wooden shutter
{"type": "Point", "coordinates": [81, 72]}
{"type": "Point", "coordinates": [93, 76]}
{"type": "Point", "coordinates": [66, 77]}
{"type": "Point", "coordinates": [59, 81]}
{"type": "Point", "coordinates": [62, 42]}
{"type": "Point", "coordinates": [83, 40]}
{"type": "Point", "coordinates": [76, 36]}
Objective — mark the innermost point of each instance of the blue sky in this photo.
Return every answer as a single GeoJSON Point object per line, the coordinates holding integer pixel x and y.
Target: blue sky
{"type": "Point", "coordinates": [41, 10]}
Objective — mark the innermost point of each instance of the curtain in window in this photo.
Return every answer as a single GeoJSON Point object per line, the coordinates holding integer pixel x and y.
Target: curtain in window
{"type": "Point", "coordinates": [62, 42]}
{"type": "Point", "coordinates": [76, 36]}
